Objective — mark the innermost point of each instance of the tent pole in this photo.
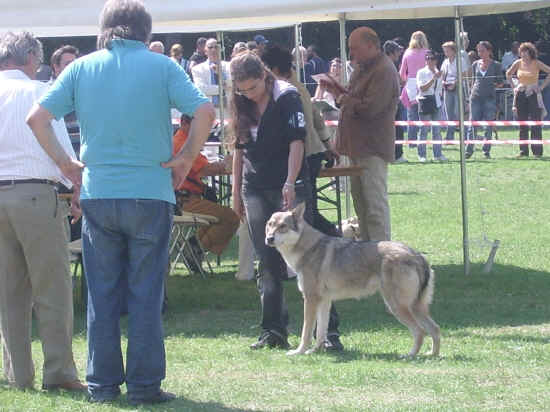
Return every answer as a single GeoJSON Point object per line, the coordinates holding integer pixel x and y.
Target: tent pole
{"type": "Point", "coordinates": [297, 50]}
{"type": "Point", "coordinates": [221, 85]}
{"type": "Point", "coordinates": [465, 241]}
{"type": "Point", "coordinates": [343, 50]}
{"type": "Point", "coordinates": [344, 80]}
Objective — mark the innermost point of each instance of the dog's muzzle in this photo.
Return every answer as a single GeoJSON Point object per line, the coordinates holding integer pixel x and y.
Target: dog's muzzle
{"type": "Point", "coordinates": [270, 241]}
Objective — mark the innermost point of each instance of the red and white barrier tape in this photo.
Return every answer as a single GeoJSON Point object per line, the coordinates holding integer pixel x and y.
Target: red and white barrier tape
{"type": "Point", "coordinates": [466, 123]}
{"type": "Point", "coordinates": [457, 142]}
{"type": "Point", "coordinates": [473, 123]}
{"type": "Point", "coordinates": [501, 123]}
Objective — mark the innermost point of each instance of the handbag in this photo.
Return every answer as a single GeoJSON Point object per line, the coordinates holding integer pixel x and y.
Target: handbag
{"type": "Point", "coordinates": [426, 104]}
{"type": "Point", "coordinates": [210, 194]}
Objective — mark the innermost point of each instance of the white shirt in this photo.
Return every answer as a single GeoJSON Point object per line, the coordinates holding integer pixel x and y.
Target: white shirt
{"type": "Point", "coordinates": [21, 156]}
{"type": "Point", "coordinates": [508, 59]}
{"type": "Point", "coordinates": [466, 65]}
{"type": "Point", "coordinates": [450, 70]}
{"type": "Point", "coordinates": [202, 77]}
{"type": "Point", "coordinates": [423, 76]}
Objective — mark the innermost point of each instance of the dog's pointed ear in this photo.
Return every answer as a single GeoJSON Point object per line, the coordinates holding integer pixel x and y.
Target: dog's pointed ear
{"type": "Point", "coordinates": [298, 211]}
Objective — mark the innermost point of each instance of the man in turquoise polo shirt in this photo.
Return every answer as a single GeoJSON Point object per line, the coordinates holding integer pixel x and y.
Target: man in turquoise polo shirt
{"type": "Point", "coordinates": [122, 95]}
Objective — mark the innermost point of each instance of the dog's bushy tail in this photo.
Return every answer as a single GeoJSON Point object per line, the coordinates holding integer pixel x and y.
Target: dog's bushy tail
{"type": "Point", "coordinates": [426, 291]}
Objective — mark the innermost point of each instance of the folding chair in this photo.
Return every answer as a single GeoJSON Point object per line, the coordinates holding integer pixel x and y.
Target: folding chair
{"type": "Point", "coordinates": [184, 228]}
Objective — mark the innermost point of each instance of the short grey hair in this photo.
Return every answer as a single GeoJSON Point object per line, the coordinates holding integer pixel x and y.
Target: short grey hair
{"type": "Point", "coordinates": [156, 44]}
{"type": "Point", "coordinates": [16, 47]}
{"type": "Point", "coordinates": [123, 19]}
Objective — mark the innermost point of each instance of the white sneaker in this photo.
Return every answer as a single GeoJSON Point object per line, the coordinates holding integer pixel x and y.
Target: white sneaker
{"type": "Point", "coordinates": [441, 158]}
{"type": "Point", "coordinates": [401, 160]}
{"type": "Point", "coordinates": [421, 159]}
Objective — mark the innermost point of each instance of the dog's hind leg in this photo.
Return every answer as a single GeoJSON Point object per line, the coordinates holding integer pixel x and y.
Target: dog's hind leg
{"type": "Point", "coordinates": [421, 313]}
{"type": "Point", "coordinates": [323, 311]}
{"type": "Point", "coordinates": [310, 311]}
{"type": "Point", "coordinates": [404, 315]}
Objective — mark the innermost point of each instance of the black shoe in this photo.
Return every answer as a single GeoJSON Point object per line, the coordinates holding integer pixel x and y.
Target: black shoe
{"type": "Point", "coordinates": [160, 397]}
{"type": "Point", "coordinates": [270, 340]}
{"type": "Point", "coordinates": [98, 398]}
{"type": "Point", "coordinates": [332, 343]}
{"type": "Point", "coordinates": [487, 155]}
{"type": "Point", "coordinates": [468, 155]}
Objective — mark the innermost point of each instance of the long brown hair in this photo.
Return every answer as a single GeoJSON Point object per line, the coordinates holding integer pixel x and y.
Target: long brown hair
{"type": "Point", "coordinates": [245, 112]}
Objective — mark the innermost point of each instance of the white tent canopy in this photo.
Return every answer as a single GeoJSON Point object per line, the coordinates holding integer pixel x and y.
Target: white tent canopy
{"type": "Point", "coordinates": [78, 18]}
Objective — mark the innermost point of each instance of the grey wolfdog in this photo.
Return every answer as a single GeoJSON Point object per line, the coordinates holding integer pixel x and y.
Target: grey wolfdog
{"type": "Point", "coordinates": [331, 268]}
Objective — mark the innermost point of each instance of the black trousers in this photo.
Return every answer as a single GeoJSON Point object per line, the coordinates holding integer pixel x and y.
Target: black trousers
{"type": "Point", "coordinates": [528, 109]}
{"type": "Point", "coordinates": [260, 205]}
{"type": "Point", "coordinates": [399, 130]}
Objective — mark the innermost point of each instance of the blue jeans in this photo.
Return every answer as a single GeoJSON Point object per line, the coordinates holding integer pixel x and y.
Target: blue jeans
{"type": "Point", "coordinates": [412, 115]}
{"type": "Point", "coordinates": [125, 253]}
{"type": "Point", "coordinates": [436, 133]}
{"type": "Point", "coordinates": [481, 108]}
{"type": "Point", "coordinates": [450, 97]}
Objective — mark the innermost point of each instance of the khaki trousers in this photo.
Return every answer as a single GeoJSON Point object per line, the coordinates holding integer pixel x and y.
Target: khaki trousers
{"type": "Point", "coordinates": [217, 236]}
{"type": "Point", "coordinates": [34, 274]}
{"type": "Point", "coordinates": [370, 198]}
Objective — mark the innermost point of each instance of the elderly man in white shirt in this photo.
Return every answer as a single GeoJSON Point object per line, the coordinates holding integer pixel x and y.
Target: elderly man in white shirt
{"type": "Point", "coordinates": [205, 74]}
{"type": "Point", "coordinates": [34, 266]}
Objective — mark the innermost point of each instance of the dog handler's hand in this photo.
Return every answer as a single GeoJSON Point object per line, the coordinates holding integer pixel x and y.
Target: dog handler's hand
{"type": "Point", "coordinates": [238, 206]}
{"type": "Point", "coordinates": [76, 211]}
{"type": "Point", "coordinates": [289, 195]}
{"type": "Point", "coordinates": [178, 176]}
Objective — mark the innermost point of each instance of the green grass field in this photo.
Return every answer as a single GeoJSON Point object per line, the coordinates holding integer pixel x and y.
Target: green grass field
{"type": "Point", "coordinates": [495, 327]}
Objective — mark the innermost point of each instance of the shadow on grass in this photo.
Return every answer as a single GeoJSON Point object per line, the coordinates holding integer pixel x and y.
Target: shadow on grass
{"type": "Point", "coordinates": [509, 296]}
{"type": "Point", "coordinates": [219, 305]}
{"type": "Point", "coordinates": [350, 355]}
{"type": "Point", "coordinates": [512, 337]}
{"type": "Point", "coordinates": [178, 404]}
{"type": "Point", "coordinates": [411, 193]}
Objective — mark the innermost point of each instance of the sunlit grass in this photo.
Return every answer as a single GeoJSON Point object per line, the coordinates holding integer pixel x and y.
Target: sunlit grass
{"type": "Point", "coordinates": [495, 327]}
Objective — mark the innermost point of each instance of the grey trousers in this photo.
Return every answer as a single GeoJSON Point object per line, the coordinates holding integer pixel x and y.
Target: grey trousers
{"type": "Point", "coordinates": [370, 198]}
{"type": "Point", "coordinates": [35, 274]}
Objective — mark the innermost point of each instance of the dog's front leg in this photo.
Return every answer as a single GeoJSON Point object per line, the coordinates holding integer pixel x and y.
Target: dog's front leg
{"type": "Point", "coordinates": [310, 311]}
{"type": "Point", "coordinates": [323, 310]}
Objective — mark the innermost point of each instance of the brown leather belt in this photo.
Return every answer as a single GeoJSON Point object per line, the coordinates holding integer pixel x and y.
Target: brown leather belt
{"type": "Point", "coordinates": [20, 181]}
{"type": "Point", "coordinates": [187, 193]}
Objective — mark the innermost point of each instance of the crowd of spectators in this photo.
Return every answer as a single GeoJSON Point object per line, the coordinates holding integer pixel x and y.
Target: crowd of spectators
{"type": "Point", "coordinates": [132, 161]}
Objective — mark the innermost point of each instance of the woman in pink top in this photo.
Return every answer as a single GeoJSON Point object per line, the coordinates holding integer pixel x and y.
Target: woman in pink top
{"type": "Point", "coordinates": [414, 59]}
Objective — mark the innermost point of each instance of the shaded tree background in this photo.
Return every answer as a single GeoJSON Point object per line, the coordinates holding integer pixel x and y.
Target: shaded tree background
{"type": "Point", "coordinates": [500, 30]}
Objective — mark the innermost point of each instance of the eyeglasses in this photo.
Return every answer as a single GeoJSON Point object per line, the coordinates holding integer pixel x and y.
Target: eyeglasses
{"type": "Point", "coordinates": [242, 92]}
{"type": "Point", "coordinates": [212, 47]}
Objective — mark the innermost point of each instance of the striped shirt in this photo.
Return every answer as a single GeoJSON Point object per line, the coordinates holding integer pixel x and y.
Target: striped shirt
{"type": "Point", "coordinates": [21, 156]}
